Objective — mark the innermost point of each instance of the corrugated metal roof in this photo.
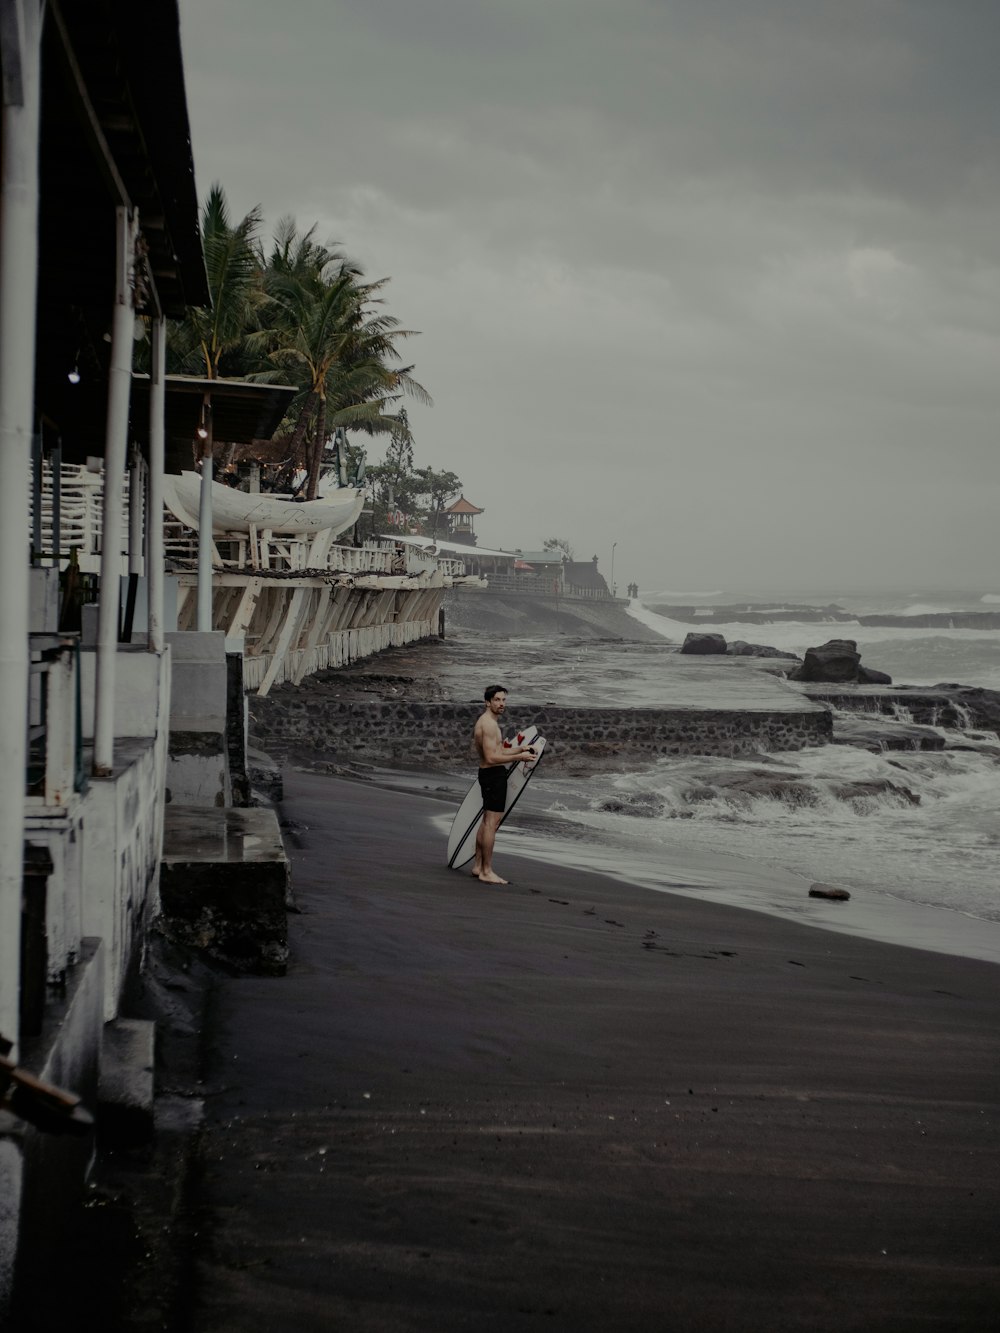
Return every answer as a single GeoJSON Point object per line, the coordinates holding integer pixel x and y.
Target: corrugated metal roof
{"type": "Point", "coordinates": [241, 411]}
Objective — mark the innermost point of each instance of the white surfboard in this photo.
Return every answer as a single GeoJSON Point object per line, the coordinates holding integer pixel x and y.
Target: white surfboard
{"type": "Point", "coordinates": [462, 839]}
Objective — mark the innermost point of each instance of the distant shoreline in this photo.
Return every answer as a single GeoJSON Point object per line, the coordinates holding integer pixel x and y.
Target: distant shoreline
{"type": "Point", "coordinates": [769, 615]}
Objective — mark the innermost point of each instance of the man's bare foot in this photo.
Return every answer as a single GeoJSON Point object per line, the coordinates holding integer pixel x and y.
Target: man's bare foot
{"type": "Point", "coordinates": [491, 878]}
{"type": "Point", "coordinates": [476, 871]}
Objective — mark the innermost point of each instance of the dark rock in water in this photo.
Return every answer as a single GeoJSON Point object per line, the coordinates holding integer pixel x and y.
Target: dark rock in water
{"type": "Point", "coordinates": [982, 705]}
{"type": "Point", "coordinates": [875, 732]}
{"type": "Point", "coordinates": [740, 648]}
{"type": "Point", "coordinates": [703, 643]}
{"type": "Point", "coordinates": [829, 891]}
{"type": "Point", "coordinates": [837, 660]}
{"type": "Point", "coordinates": [866, 796]}
{"type": "Point", "coordinates": [742, 789]}
{"type": "Point", "coordinates": [643, 805]}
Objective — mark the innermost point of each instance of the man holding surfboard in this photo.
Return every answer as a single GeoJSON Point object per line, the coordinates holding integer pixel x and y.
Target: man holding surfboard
{"type": "Point", "coordinates": [494, 762]}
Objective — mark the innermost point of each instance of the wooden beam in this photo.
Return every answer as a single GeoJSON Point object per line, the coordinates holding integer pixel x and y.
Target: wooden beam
{"type": "Point", "coordinates": [289, 631]}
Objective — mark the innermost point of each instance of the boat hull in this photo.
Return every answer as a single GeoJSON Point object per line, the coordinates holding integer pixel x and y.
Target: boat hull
{"type": "Point", "coordinates": [237, 511]}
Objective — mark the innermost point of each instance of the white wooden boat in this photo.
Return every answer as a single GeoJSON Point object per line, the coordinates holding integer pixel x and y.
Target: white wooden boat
{"type": "Point", "coordinates": [237, 511]}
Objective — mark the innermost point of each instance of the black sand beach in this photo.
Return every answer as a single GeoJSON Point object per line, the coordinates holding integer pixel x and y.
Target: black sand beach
{"type": "Point", "coordinates": [572, 1104]}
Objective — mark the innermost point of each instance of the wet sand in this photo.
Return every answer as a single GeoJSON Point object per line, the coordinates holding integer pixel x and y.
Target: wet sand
{"type": "Point", "coordinates": [578, 1104]}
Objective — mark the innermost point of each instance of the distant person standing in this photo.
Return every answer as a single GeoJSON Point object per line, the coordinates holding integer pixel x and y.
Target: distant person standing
{"type": "Point", "coordinates": [493, 763]}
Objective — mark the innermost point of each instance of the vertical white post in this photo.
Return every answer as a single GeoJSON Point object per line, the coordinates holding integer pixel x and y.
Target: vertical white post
{"type": "Point", "coordinates": [60, 728]}
{"type": "Point", "coordinates": [154, 514]}
{"type": "Point", "coordinates": [136, 504]}
{"type": "Point", "coordinates": [115, 448]}
{"type": "Point", "coordinates": [18, 275]}
{"type": "Point", "coordinates": [205, 544]}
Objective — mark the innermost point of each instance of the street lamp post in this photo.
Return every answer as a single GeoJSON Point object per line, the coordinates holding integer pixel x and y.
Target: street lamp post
{"type": "Point", "coordinates": [613, 545]}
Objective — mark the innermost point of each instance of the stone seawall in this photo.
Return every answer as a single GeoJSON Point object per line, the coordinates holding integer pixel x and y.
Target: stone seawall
{"type": "Point", "coordinates": [409, 733]}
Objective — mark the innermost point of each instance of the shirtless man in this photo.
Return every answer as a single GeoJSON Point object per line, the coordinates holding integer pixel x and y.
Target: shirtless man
{"type": "Point", "coordinates": [493, 761]}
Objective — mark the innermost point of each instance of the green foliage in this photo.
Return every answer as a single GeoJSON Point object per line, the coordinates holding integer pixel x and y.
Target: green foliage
{"type": "Point", "coordinates": [559, 544]}
{"type": "Point", "coordinates": [218, 342]}
{"type": "Point", "coordinates": [302, 315]}
{"type": "Point", "coordinates": [397, 486]}
{"type": "Point", "coordinates": [440, 488]}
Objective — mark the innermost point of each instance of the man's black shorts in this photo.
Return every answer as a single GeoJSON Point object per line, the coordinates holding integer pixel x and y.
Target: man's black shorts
{"type": "Point", "coordinates": [493, 782]}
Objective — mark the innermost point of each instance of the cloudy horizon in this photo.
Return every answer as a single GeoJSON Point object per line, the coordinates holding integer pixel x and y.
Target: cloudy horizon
{"type": "Point", "coordinates": [712, 282]}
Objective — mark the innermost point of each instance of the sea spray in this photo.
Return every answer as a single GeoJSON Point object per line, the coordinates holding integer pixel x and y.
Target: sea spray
{"type": "Point", "coordinates": [921, 825]}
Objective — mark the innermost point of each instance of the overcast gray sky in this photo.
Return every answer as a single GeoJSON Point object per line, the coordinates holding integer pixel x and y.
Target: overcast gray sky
{"type": "Point", "coordinates": [714, 280]}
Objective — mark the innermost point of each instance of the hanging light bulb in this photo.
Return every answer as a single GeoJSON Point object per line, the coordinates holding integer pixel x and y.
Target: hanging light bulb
{"type": "Point", "coordinates": [74, 376]}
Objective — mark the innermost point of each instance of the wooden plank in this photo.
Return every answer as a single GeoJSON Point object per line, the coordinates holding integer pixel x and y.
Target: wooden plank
{"type": "Point", "coordinates": [245, 607]}
{"type": "Point", "coordinates": [289, 630]}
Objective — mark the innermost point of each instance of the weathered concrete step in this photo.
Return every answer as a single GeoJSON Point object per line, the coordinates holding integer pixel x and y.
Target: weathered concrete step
{"type": "Point", "coordinates": [224, 885]}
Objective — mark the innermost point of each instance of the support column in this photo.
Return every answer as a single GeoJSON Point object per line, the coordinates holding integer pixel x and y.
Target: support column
{"type": "Point", "coordinates": [154, 494]}
{"type": "Point", "coordinates": [18, 275]}
{"type": "Point", "coordinates": [205, 544]}
{"type": "Point", "coordinates": [115, 448]}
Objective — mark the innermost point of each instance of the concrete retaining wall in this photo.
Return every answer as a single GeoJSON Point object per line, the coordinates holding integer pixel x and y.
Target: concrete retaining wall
{"type": "Point", "coordinates": [406, 733]}
{"type": "Point", "coordinates": [122, 841]}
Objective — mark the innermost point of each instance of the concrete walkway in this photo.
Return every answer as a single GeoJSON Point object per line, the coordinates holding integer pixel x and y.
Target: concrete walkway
{"type": "Point", "coordinates": [570, 671]}
{"type": "Point", "coordinates": [573, 1105]}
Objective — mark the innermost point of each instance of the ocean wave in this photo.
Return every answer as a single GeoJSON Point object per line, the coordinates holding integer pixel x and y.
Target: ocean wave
{"type": "Point", "coordinates": [921, 825]}
{"type": "Point", "coordinates": [911, 656]}
{"type": "Point", "coordinates": [930, 609]}
{"type": "Point", "coordinates": [686, 596]}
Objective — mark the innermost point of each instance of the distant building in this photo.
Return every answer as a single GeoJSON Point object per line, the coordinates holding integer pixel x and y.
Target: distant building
{"type": "Point", "coordinates": [460, 521]}
{"type": "Point", "coordinates": [583, 578]}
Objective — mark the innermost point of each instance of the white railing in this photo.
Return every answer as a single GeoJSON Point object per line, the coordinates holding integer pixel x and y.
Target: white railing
{"type": "Point", "coordinates": [281, 552]}
{"type": "Point", "coordinates": [81, 501]}
{"type": "Point", "coordinates": [81, 519]}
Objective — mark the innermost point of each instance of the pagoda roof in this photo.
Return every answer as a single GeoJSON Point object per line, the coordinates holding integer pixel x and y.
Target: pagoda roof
{"type": "Point", "coordinates": [463, 506]}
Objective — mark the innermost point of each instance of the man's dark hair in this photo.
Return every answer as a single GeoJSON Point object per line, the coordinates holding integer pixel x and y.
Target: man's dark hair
{"type": "Point", "coordinates": [490, 690]}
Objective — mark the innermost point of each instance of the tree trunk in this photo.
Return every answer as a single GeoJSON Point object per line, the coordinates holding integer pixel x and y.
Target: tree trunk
{"type": "Point", "coordinates": [316, 460]}
{"type": "Point", "coordinates": [298, 435]}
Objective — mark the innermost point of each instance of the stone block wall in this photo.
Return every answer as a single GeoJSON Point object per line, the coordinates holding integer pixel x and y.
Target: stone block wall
{"type": "Point", "coordinates": [440, 733]}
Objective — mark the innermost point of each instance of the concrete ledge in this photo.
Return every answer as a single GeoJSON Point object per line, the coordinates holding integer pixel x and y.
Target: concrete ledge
{"type": "Point", "coordinates": [42, 1176]}
{"type": "Point", "coordinates": [125, 1091]}
{"type": "Point", "coordinates": [224, 885]}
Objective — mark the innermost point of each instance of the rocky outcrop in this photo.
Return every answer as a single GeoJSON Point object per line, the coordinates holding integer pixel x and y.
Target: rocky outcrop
{"type": "Point", "coordinates": [740, 648]}
{"type": "Point", "coordinates": [977, 706]}
{"type": "Point", "coordinates": [837, 660]}
{"type": "Point", "coordinates": [714, 644]}
{"type": "Point", "coordinates": [703, 644]}
{"type": "Point", "coordinates": [878, 732]}
{"type": "Point", "coordinates": [641, 805]}
{"type": "Point", "coordinates": [864, 797]}
{"type": "Point", "coordinates": [962, 707]}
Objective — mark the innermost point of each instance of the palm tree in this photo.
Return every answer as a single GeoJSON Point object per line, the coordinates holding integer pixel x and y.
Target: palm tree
{"type": "Point", "coordinates": [225, 339]}
{"type": "Point", "coordinates": [333, 345]}
{"type": "Point", "coordinates": [304, 316]}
